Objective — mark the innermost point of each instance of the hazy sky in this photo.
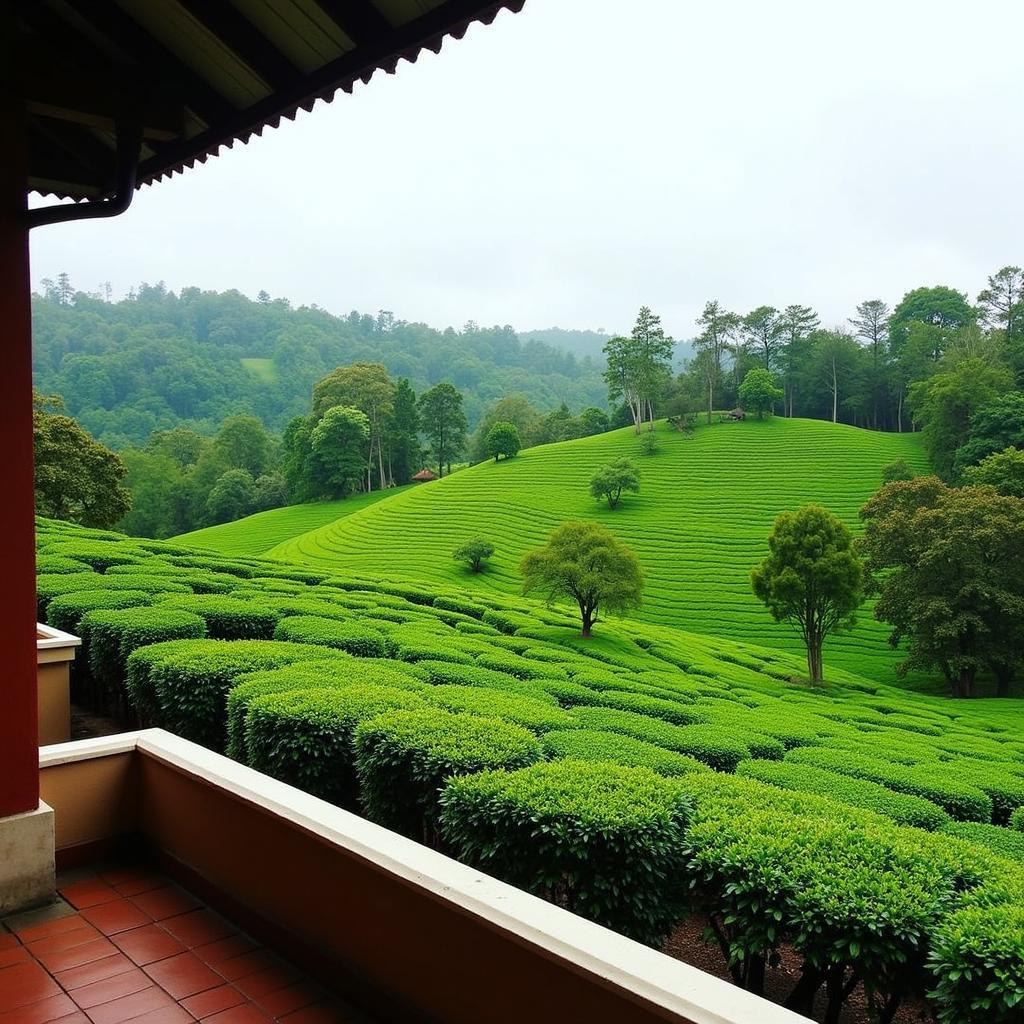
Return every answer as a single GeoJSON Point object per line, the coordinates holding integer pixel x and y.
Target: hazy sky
{"type": "Point", "coordinates": [567, 164]}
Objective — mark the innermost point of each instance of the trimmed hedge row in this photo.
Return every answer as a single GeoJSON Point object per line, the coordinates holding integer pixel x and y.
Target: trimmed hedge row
{"type": "Point", "coordinates": [345, 635]}
{"type": "Point", "coordinates": [404, 758]}
{"type": "Point", "coordinates": [66, 612]}
{"type": "Point", "coordinates": [594, 745]}
{"type": "Point", "coordinates": [227, 618]}
{"type": "Point", "coordinates": [804, 778]}
{"type": "Point", "coordinates": [963, 802]}
{"type": "Point", "coordinates": [528, 712]}
{"type": "Point", "coordinates": [603, 840]}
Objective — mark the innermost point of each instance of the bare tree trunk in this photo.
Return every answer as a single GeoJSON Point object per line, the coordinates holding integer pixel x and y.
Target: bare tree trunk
{"type": "Point", "coordinates": [835, 392]}
{"type": "Point", "coordinates": [899, 412]}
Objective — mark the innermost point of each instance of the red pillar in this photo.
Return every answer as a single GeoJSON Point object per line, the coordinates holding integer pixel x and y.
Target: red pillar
{"type": "Point", "coordinates": [19, 750]}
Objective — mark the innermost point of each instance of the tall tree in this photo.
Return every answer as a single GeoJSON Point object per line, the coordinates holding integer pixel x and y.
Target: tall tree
{"type": "Point", "coordinates": [367, 387]}
{"type": "Point", "coordinates": [76, 478]}
{"type": "Point", "coordinates": [871, 324]}
{"type": "Point", "coordinates": [940, 306]}
{"type": "Point", "coordinates": [811, 577]}
{"type": "Point", "coordinates": [402, 439]}
{"type": "Point", "coordinates": [639, 367]}
{"type": "Point", "coordinates": [1002, 302]}
{"type": "Point", "coordinates": [337, 446]}
{"type": "Point", "coordinates": [759, 392]}
{"type": "Point", "coordinates": [763, 328]}
{"type": "Point", "coordinates": [994, 426]}
{"type": "Point", "coordinates": [795, 327]}
{"type": "Point", "coordinates": [444, 423]}
{"type": "Point", "coordinates": [584, 562]}
{"type": "Point", "coordinates": [834, 360]}
{"type": "Point", "coordinates": [948, 564]}
{"type": "Point", "coordinates": [244, 443]}
{"type": "Point", "coordinates": [718, 328]}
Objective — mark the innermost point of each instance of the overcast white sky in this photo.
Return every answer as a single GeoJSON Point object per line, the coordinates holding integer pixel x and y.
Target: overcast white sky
{"type": "Point", "coordinates": [567, 164]}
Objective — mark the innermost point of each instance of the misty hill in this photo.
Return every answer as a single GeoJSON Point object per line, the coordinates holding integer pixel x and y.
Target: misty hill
{"type": "Point", "coordinates": [160, 359]}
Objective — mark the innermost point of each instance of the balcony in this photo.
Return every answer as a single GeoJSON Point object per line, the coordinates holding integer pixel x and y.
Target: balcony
{"type": "Point", "coordinates": [387, 926]}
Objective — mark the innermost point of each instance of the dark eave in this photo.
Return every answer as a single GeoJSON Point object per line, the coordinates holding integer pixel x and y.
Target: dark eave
{"type": "Point", "coordinates": [193, 75]}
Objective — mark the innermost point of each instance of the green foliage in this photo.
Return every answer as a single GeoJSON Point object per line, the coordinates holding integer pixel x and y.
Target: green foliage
{"type": "Point", "coordinates": [403, 759]}
{"type": "Point", "coordinates": [232, 497]}
{"type": "Point", "coordinates": [537, 715]}
{"type": "Point", "coordinates": [759, 392]}
{"type": "Point", "coordinates": [76, 477]}
{"type": "Point", "coordinates": [993, 427]}
{"type": "Point", "coordinates": [899, 469]}
{"type": "Point", "coordinates": [357, 639]}
{"type": "Point", "coordinates": [949, 565]}
{"type": "Point", "coordinates": [595, 745]}
{"type": "Point", "coordinates": [474, 553]}
{"type": "Point", "coordinates": [811, 578]}
{"type": "Point", "coordinates": [601, 839]}
{"type": "Point", "coordinates": [503, 440]}
{"type": "Point", "coordinates": [110, 635]}
{"type": "Point", "coordinates": [804, 778]}
{"type": "Point", "coordinates": [227, 618]}
{"type": "Point", "coordinates": [584, 562]}
{"type": "Point", "coordinates": [1003, 841]}
{"type": "Point", "coordinates": [1002, 470]}
{"type": "Point", "coordinates": [611, 480]}
{"type": "Point", "coordinates": [443, 422]}
{"type": "Point", "coordinates": [304, 737]}
{"type": "Point", "coordinates": [337, 445]}
{"type": "Point", "coordinates": [1017, 820]}
{"type": "Point", "coordinates": [65, 612]}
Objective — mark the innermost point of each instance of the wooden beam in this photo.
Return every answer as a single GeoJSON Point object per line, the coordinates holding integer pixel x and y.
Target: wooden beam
{"type": "Point", "coordinates": [240, 36]}
{"type": "Point", "coordinates": [360, 20]}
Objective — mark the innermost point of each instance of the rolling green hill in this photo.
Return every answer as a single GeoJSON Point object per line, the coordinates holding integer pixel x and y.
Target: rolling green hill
{"type": "Point", "coordinates": [698, 525]}
{"type": "Point", "coordinates": [257, 534]}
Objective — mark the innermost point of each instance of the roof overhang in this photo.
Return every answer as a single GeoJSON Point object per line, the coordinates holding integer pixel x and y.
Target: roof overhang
{"type": "Point", "coordinates": [174, 80]}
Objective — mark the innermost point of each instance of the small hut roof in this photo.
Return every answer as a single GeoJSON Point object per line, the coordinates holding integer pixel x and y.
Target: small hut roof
{"type": "Point", "coordinates": [425, 474]}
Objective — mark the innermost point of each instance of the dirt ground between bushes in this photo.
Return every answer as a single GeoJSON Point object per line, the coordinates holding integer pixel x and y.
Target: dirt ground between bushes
{"type": "Point", "coordinates": [686, 944]}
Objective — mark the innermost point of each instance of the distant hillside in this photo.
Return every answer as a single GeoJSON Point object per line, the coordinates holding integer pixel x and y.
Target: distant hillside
{"type": "Point", "coordinates": [590, 343]}
{"type": "Point", "coordinates": [698, 525]}
{"type": "Point", "coordinates": [159, 360]}
{"type": "Point", "coordinates": [258, 533]}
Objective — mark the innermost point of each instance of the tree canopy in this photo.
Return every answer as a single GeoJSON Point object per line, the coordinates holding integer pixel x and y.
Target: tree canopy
{"type": "Point", "coordinates": [811, 577]}
{"type": "Point", "coordinates": [584, 561]}
{"type": "Point", "coordinates": [503, 440]}
{"type": "Point", "coordinates": [444, 423]}
{"type": "Point", "coordinates": [759, 392]}
{"type": "Point", "coordinates": [76, 478]}
{"type": "Point", "coordinates": [611, 480]}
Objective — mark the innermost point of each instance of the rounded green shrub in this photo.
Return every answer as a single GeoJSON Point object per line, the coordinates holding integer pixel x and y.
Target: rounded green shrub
{"type": "Point", "coordinates": [533, 714]}
{"type": "Point", "coordinates": [678, 713]}
{"type": "Point", "coordinates": [50, 564]}
{"type": "Point", "coordinates": [338, 672]}
{"type": "Point", "coordinates": [101, 555]}
{"type": "Point", "coordinates": [454, 673]}
{"type": "Point", "coordinates": [403, 759]}
{"type": "Point", "coordinates": [227, 618]}
{"type": "Point", "coordinates": [594, 745]}
{"type": "Point", "coordinates": [65, 612]}
{"type": "Point", "coordinates": [1004, 841]}
{"type": "Point", "coordinates": [522, 668]}
{"type": "Point", "coordinates": [304, 737]}
{"type": "Point", "coordinates": [1016, 821]}
{"type": "Point", "coordinates": [110, 636]}
{"type": "Point", "coordinates": [183, 687]}
{"type": "Point", "coordinates": [603, 840]}
{"type": "Point", "coordinates": [355, 638]}
{"type": "Point", "coordinates": [902, 808]}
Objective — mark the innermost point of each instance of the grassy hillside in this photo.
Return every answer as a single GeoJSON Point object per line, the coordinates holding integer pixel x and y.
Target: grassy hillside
{"type": "Point", "coordinates": [257, 534]}
{"type": "Point", "coordinates": [868, 829]}
{"type": "Point", "coordinates": [699, 524]}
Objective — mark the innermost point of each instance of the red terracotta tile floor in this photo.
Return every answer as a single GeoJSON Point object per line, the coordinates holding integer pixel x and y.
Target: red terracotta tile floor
{"type": "Point", "coordinates": [130, 945]}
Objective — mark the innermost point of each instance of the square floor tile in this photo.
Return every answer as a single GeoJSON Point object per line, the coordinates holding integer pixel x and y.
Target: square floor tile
{"type": "Point", "coordinates": [76, 956]}
{"type": "Point", "coordinates": [147, 944]}
{"type": "Point", "coordinates": [198, 927]}
{"type": "Point", "coordinates": [246, 1014]}
{"type": "Point", "coordinates": [132, 881]}
{"type": "Point", "coordinates": [14, 955]}
{"type": "Point", "coordinates": [289, 999]}
{"type": "Point", "coordinates": [85, 932]}
{"type": "Point", "coordinates": [224, 949]}
{"type": "Point", "coordinates": [183, 975]}
{"type": "Point", "coordinates": [42, 1012]}
{"type": "Point", "coordinates": [131, 1006]}
{"type": "Point", "coordinates": [270, 979]}
{"type": "Point", "coordinates": [116, 916]}
{"type": "Point", "coordinates": [21, 984]}
{"type": "Point", "coordinates": [213, 1000]}
{"type": "Point", "coordinates": [109, 966]}
{"type": "Point", "coordinates": [246, 964]}
{"type": "Point", "coordinates": [54, 926]}
{"type": "Point", "coordinates": [167, 902]}
{"type": "Point", "coordinates": [109, 989]}
{"type": "Point", "coordinates": [88, 893]}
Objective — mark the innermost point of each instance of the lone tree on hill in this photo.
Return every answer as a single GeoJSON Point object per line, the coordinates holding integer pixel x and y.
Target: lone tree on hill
{"type": "Point", "coordinates": [474, 553]}
{"type": "Point", "coordinates": [503, 439]}
{"type": "Point", "coordinates": [583, 561]}
{"type": "Point", "coordinates": [338, 446]}
{"type": "Point", "coordinates": [611, 480]}
{"type": "Point", "coordinates": [640, 367]}
{"type": "Point", "coordinates": [948, 565]}
{"type": "Point", "coordinates": [812, 577]}
{"type": "Point", "coordinates": [760, 392]}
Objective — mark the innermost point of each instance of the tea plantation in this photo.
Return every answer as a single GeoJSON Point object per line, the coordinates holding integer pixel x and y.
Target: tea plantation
{"type": "Point", "coordinates": [698, 525]}
{"type": "Point", "coordinates": [637, 777]}
{"type": "Point", "coordinates": [257, 534]}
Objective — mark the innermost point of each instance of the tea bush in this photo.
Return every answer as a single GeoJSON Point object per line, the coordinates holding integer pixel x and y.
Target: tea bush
{"type": "Point", "coordinates": [594, 745]}
{"type": "Point", "coordinates": [603, 840]}
{"type": "Point", "coordinates": [227, 618]}
{"type": "Point", "coordinates": [346, 635]}
{"type": "Point", "coordinates": [403, 759]}
{"type": "Point", "coordinates": [66, 612]}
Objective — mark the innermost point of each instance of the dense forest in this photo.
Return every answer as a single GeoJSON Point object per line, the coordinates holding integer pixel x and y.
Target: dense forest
{"type": "Point", "coordinates": [158, 360]}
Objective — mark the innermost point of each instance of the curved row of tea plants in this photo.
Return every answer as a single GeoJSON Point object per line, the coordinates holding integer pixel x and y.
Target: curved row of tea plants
{"type": "Point", "coordinates": [699, 524]}
{"type": "Point", "coordinates": [633, 777]}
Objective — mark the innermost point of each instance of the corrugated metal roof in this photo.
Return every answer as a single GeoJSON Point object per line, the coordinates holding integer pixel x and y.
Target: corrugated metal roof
{"type": "Point", "coordinates": [201, 74]}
